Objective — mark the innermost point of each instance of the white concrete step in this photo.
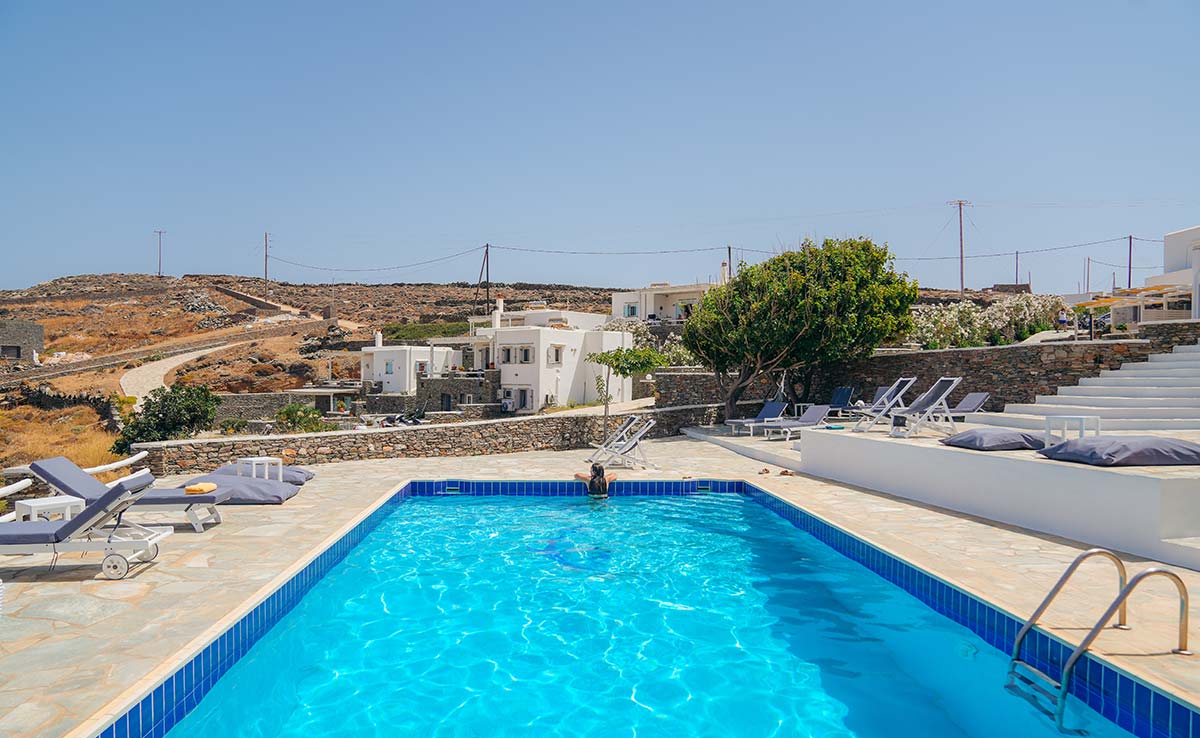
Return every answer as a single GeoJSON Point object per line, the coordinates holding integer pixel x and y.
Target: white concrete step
{"type": "Point", "coordinates": [1038, 422]}
{"type": "Point", "coordinates": [1117, 401]}
{"type": "Point", "coordinates": [1133, 380]}
{"type": "Point", "coordinates": [1129, 390]}
{"type": "Point", "coordinates": [1043, 409]}
{"type": "Point", "coordinates": [1191, 348]}
{"type": "Point", "coordinates": [1185, 358]}
{"type": "Point", "coordinates": [1159, 366]}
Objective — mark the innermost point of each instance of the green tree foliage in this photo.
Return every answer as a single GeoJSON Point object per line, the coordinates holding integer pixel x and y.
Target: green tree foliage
{"type": "Point", "coordinates": [420, 331]}
{"type": "Point", "coordinates": [624, 362]}
{"type": "Point", "coordinates": [798, 312]}
{"type": "Point", "coordinates": [299, 418]}
{"type": "Point", "coordinates": [178, 412]}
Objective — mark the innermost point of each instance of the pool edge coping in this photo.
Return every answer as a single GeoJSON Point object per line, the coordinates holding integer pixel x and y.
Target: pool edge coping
{"type": "Point", "coordinates": [129, 699]}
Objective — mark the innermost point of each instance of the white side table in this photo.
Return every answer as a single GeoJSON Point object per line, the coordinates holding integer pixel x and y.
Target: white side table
{"type": "Point", "coordinates": [43, 507]}
{"type": "Point", "coordinates": [270, 466]}
{"type": "Point", "coordinates": [1082, 423]}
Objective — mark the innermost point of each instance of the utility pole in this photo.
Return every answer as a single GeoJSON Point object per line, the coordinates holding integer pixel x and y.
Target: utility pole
{"type": "Point", "coordinates": [485, 281]}
{"type": "Point", "coordinates": [1129, 274]}
{"type": "Point", "coordinates": [1017, 269]}
{"type": "Point", "coordinates": [729, 261]}
{"type": "Point", "coordinates": [962, 272]}
{"type": "Point", "coordinates": [266, 252]}
{"type": "Point", "coordinates": [160, 235]}
{"type": "Point", "coordinates": [1087, 275]}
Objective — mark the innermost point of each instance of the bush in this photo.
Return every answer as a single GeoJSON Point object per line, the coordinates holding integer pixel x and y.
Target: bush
{"type": "Point", "coordinates": [418, 331]}
{"type": "Point", "coordinates": [299, 418]}
{"type": "Point", "coordinates": [963, 324]}
{"type": "Point", "coordinates": [178, 412]}
{"type": "Point", "coordinates": [230, 426]}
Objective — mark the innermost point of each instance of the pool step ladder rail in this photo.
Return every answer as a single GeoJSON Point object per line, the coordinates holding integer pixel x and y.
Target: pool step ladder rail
{"type": "Point", "coordinates": [1035, 685]}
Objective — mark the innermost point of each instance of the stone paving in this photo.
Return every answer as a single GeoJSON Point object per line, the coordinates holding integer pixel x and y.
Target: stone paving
{"type": "Point", "coordinates": [75, 648]}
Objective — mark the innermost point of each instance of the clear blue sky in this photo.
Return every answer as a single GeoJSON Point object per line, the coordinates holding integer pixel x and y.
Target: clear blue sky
{"type": "Point", "coordinates": [373, 134]}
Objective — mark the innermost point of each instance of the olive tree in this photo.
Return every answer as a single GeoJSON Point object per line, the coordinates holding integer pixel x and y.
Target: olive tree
{"type": "Point", "coordinates": [799, 312]}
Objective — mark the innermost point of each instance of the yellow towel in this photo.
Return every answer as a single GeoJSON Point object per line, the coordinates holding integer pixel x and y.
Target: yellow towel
{"type": "Point", "coordinates": [202, 488]}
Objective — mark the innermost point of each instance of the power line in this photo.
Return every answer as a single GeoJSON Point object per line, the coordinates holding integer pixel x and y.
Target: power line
{"type": "Point", "coordinates": [1125, 266]}
{"type": "Point", "coordinates": [1010, 253]}
{"type": "Point", "coordinates": [378, 269]}
{"type": "Point", "coordinates": [646, 252]}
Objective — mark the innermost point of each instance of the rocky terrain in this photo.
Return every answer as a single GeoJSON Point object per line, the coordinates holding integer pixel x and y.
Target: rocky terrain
{"type": "Point", "coordinates": [269, 365]}
{"type": "Point", "coordinates": [376, 305]}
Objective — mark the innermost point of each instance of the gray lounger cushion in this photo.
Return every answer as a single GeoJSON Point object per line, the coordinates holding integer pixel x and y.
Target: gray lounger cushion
{"type": "Point", "coordinates": [181, 497]}
{"type": "Point", "coordinates": [37, 531]}
{"type": "Point", "coordinates": [1125, 451]}
{"type": "Point", "coordinates": [247, 491]}
{"type": "Point", "coordinates": [61, 473]}
{"type": "Point", "coordinates": [291, 474]}
{"type": "Point", "coordinates": [995, 439]}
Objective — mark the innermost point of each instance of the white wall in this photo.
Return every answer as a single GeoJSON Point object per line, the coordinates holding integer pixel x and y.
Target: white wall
{"type": "Point", "coordinates": [403, 379]}
{"type": "Point", "coordinates": [572, 381]}
{"type": "Point", "coordinates": [1177, 250]}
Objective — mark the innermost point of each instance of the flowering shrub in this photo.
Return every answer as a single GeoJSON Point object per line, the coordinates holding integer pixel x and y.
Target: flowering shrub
{"type": "Point", "coordinates": [671, 347]}
{"type": "Point", "coordinates": [961, 324]}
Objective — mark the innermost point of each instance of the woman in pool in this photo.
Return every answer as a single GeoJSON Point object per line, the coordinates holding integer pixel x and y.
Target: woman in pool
{"type": "Point", "coordinates": [597, 481]}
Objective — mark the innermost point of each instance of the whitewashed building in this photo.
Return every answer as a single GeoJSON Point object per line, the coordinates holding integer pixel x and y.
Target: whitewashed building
{"type": "Point", "coordinates": [1181, 265]}
{"type": "Point", "coordinates": [396, 368]}
{"type": "Point", "coordinates": [541, 355]}
{"type": "Point", "coordinates": [661, 302]}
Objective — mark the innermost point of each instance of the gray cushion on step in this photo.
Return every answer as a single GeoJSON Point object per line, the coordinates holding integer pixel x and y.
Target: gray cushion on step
{"type": "Point", "coordinates": [1126, 451]}
{"type": "Point", "coordinates": [995, 439]}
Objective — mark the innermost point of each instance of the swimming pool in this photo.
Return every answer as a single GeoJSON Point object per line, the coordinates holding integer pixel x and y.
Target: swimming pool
{"type": "Point", "coordinates": [690, 615]}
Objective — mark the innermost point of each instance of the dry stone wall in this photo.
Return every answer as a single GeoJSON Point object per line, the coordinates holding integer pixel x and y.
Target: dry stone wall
{"type": "Point", "coordinates": [538, 433]}
{"type": "Point", "coordinates": [258, 405]}
{"type": "Point", "coordinates": [1012, 374]}
{"type": "Point", "coordinates": [12, 379]}
{"type": "Point", "coordinates": [1167, 334]}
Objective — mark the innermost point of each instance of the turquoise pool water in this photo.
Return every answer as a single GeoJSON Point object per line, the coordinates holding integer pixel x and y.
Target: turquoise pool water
{"type": "Point", "coordinates": [640, 616]}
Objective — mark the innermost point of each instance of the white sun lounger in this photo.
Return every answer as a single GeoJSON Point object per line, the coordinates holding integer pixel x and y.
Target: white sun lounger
{"type": "Point", "coordinates": [882, 408]}
{"type": "Point", "coordinates": [616, 437]}
{"type": "Point", "coordinates": [810, 418]}
{"type": "Point", "coordinates": [627, 452]}
{"type": "Point", "coordinates": [122, 543]}
{"type": "Point", "coordinates": [771, 409]}
{"type": "Point", "coordinates": [64, 476]}
{"type": "Point", "coordinates": [930, 410]}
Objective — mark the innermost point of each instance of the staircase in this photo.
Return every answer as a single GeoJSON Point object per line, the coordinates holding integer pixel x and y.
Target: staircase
{"type": "Point", "coordinates": [1156, 395]}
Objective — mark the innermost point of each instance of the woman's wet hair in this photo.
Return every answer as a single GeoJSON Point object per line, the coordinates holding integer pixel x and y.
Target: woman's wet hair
{"type": "Point", "coordinates": [598, 484]}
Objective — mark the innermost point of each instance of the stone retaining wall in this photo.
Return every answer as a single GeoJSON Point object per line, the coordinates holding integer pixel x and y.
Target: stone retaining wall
{"type": "Point", "coordinates": [257, 405]}
{"type": "Point", "coordinates": [48, 372]}
{"type": "Point", "coordinates": [1012, 374]}
{"type": "Point", "coordinates": [538, 433]}
{"type": "Point", "coordinates": [1165, 335]}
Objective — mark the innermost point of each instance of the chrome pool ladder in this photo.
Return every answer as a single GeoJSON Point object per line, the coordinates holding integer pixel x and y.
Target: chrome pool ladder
{"type": "Point", "coordinates": [1022, 674]}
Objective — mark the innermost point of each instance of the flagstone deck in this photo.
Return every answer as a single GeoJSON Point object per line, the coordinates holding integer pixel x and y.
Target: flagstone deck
{"type": "Point", "coordinates": [75, 647]}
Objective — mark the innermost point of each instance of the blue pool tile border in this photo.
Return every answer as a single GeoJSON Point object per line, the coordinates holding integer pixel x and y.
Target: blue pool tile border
{"type": "Point", "coordinates": [1118, 697]}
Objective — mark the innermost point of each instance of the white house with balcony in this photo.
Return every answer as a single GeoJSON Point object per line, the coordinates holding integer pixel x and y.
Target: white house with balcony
{"type": "Point", "coordinates": [542, 355]}
{"type": "Point", "coordinates": [396, 368]}
{"type": "Point", "coordinates": [1181, 266]}
{"type": "Point", "coordinates": [661, 302]}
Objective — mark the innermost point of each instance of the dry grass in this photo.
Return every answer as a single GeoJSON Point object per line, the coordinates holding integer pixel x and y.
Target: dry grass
{"type": "Point", "coordinates": [101, 381]}
{"type": "Point", "coordinates": [28, 434]}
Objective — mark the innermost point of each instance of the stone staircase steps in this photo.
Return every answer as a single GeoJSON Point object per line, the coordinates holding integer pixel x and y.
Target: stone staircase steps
{"type": "Point", "coordinates": [1038, 422]}
{"type": "Point", "coordinates": [1162, 393]}
{"type": "Point", "coordinates": [1118, 401]}
{"type": "Point", "coordinates": [1044, 409]}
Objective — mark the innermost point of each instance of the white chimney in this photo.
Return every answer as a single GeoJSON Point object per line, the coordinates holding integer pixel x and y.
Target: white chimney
{"type": "Point", "coordinates": [378, 338]}
{"type": "Point", "coordinates": [498, 311]}
{"type": "Point", "coordinates": [724, 272]}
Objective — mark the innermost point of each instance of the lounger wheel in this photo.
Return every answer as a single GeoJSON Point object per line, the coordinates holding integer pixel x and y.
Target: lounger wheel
{"type": "Point", "coordinates": [152, 554]}
{"type": "Point", "coordinates": [115, 566]}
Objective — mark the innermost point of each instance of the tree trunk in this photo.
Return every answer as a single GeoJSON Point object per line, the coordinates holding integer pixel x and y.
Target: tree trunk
{"type": "Point", "coordinates": [607, 400]}
{"type": "Point", "coordinates": [738, 387]}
